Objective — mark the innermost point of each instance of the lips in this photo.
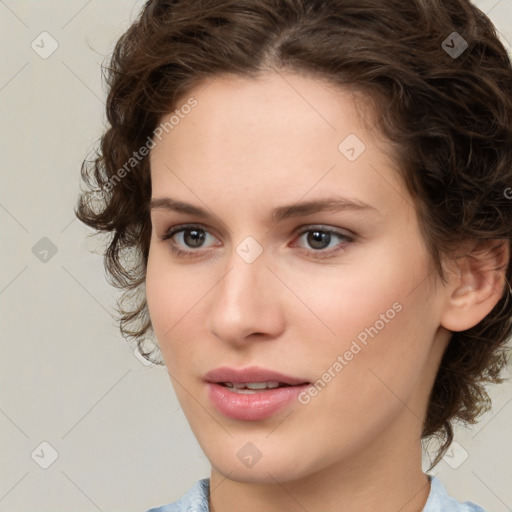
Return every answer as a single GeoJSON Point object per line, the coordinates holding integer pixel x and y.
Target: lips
{"type": "Point", "coordinates": [250, 374]}
{"type": "Point", "coordinates": [252, 393]}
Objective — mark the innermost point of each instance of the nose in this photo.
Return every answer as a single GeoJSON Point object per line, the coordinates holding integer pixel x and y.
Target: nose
{"type": "Point", "coordinates": [246, 303]}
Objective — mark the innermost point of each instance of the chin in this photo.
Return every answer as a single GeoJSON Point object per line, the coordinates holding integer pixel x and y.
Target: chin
{"type": "Point", "coordinates": [272, 465]}
{"type": "Point", "coordinates": [262, 473]}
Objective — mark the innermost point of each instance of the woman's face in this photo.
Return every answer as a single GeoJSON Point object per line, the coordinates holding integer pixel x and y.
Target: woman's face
{"type": "Point", "coordinates": [302, 264]}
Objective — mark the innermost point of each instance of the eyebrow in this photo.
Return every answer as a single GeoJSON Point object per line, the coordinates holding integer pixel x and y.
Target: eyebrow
{"type": "Point", "coordinates": [278, 214]}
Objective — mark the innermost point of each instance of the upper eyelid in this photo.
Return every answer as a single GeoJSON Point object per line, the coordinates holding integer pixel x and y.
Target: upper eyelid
{"type": "Point", "coordinates": [183, 227]}
{"type": "Point", "coordinates": [323, 227]}
{"type": "Point", "coordinates": [301, 229]}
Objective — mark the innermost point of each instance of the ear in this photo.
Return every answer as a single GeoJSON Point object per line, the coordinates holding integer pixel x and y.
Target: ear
{"type": "Point", "coordinates": [475, 285]}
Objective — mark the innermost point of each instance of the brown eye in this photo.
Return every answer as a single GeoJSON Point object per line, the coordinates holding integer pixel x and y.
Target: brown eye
{"type": "Point", "coordinates": [184, 239]}
{"type": "Point", "coordinates": [194, 237]}
{"type": "Point", "coordinates": [318, 239]}
{"type": "Point", "coordinates": [323, 241]}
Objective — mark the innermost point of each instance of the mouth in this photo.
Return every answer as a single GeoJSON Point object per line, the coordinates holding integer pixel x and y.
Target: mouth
{"type": "Point", "coordinates": [252, 393]}
{"type": "Point", "coordinates": [253, 387]}
{"type": "Point", "coordinates": [252, 377]}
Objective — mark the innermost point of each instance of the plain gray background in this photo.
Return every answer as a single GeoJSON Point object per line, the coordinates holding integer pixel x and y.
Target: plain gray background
{"type": "Point", "coordinates": [75, 399]}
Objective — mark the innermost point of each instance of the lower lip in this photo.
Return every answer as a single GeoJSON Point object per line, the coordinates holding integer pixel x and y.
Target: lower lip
{"type": "Point", "coordinates": [252, 406]}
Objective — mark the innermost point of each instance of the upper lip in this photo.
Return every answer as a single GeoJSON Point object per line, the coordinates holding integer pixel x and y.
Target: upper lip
{"type": "Point", "coordinates": [250, 374]}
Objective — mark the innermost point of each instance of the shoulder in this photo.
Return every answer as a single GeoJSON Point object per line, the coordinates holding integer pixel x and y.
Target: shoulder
{"type": "Point", "coordinates": [440, 501]}
{"type": "Point", "coordinates": [194, 500]}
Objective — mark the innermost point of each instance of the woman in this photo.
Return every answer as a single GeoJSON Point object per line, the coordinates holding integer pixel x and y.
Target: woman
{"type": "Point", "coordinates": [309, 210]}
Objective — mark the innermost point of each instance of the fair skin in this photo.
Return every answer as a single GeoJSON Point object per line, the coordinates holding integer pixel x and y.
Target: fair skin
{"type": "Point", "coordinates": [251, 146]}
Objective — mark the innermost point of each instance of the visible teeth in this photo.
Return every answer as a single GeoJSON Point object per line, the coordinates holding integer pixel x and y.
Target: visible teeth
{"type": "Point", "coordinates": [252, 385]}
{"type": "Point", "coordinates": [262, 385]}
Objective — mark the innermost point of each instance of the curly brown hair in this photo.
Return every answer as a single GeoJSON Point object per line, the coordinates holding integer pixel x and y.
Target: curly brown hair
{"type": "Point", "coordinates": [447, 109]}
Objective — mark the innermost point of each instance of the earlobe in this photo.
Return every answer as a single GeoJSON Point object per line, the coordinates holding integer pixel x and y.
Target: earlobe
{"type": "Point", "coordinates": [475, 285]}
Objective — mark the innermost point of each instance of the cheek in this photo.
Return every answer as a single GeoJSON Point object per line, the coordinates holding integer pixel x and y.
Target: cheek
{"type": "Point", "coordinates": [159, 297]}
{"type": "Point", "coordinates": [168, 299]}
{"type": "Point", "coordinates": [375, 315]}
{"type": "Point", "coordinates": [362, 294]}
{"type": "Point", "coordinates": [177, 303]}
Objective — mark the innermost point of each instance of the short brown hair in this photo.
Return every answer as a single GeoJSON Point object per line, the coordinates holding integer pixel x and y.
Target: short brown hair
{"type": "Point", "coordinates": [447, 108]}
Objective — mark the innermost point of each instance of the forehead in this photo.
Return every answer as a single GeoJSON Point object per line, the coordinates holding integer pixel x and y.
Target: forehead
{"type": "Point", "coordinates": [282, 133]}
{"type": "Point", "coordinates": [283, 103]}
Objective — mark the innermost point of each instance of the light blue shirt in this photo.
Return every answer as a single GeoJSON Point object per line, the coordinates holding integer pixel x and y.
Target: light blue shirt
{"type": "Point", "coordinates": [196, 500]}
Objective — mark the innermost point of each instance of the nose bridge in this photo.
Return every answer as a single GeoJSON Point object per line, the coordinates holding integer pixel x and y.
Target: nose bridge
{"type": "Point", "coordinates": [243, 283]}
{"type": "Point", "coordinates": [245, 300]}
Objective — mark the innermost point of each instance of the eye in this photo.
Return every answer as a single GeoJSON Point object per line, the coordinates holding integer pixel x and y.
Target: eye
{"type": "Point", "coordinates": [186, 237]}
{"type": "Point", "coordinates": [321, 238]}
{"type": "Point", "coordinates": [186, 240]}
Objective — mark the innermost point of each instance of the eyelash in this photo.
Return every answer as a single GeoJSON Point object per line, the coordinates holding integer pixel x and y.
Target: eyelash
{"type": "Point", "coordinates": [320, 253]}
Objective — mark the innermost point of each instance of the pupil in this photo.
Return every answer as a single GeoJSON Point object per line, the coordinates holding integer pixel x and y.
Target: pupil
{"type": "Point", "coordinates": [194, 237]}
{"type": "Point", "coordinates": [319, 239]}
